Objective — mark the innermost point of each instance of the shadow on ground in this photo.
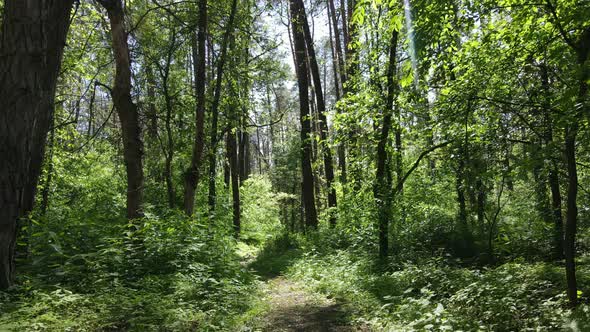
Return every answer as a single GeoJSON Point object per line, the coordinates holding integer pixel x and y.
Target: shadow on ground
{"type": "Point", "coordinates": [275, 258]}
{"type": "Point", "coordinates": [308, 318]}
{"type": "Point", "coordinates": [294, 309]}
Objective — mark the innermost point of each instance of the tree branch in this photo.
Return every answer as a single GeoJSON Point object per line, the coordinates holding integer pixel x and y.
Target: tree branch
{"type": "Point", "coordinates": [424, 153]}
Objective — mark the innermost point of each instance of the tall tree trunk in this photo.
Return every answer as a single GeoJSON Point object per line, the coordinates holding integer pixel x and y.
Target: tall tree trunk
{"type": "Point", "coordinates": [199, 58]}
{"type": "Point", "coordinates": [382, 189]}
{"type": "Point", "coordinates": [32, 41]}
{"type": "Point", "coordinates": [126, 108]}
{"type": "Point", "coordinates": [244, 154]}
{"type": "Point", "coordinates": [297, 18]}
{"type": "Point", "coordinates": [215, 107]}
{"type": "Point", "coordinates": [582, 51]}
{"type": "Point", "coordinates": [152, 113]}
{"type": "Point", "coordinates": [169, 150]}
{"type": "Point", "coordinates": [572, 213]}
{"type": "Point", "coordinates": [340, 72]}
{"type": "Point", "coordinates": [321, 108]}
{"type": "Point", "coordinates": [169, 153]}
{"type": "Point", "coordinates": [232, 153]}
{"type": "Point", "coordinates": [335, 66]}
{"type": "Point", "coordinates": [352, 69]}
{"type": "Point", "coordinates": [553, 176]}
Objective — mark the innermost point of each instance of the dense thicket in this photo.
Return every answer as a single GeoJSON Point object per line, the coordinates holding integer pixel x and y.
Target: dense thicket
{"type": "Point", "coordinates": [143, 142]}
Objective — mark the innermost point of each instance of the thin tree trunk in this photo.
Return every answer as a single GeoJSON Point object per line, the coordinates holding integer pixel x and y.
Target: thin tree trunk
{"type": "Point", "coordinates": [352, 66]}
{"type": "Point", "coordinates": [323, 121]}
{"type": "Point", "coordinates": [199, 59]}
{"type": "Point", "coordinates": [32, 40]}
{"type": "Point", "coordinates": [215, 107]}
{"type": "Point", "coordinates": [582, 48]}
{"type": "Point", "coordinates": [169, 151]}
{"type": "Point", "coordinates": [126, 108]}
{"type": "Point", "coordinates": [152, 113]}
{"type": "Point", "coordinates": [235, 179]}
{"type": "Point", "coordinates": [571, 214]}
{"type": "Point", "coordinates": [169, 154]}
{"type": "Point", "coordinates": [339, 66]}
{"type": "Point", "coordinates": [297, 18]}
{"type": "Point", "coordinates": [553, 176]}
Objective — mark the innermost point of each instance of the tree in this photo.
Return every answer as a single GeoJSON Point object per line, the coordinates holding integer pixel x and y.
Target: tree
{"type": "Point", "coordinates": [33, 39]}
{"type": "Point", "coordinates": [215, 106]}
{"type": "Point", "coordinates": [199, 60]}
{"type": "Point", "coordinates": [321, 105]}
{"type": "Point", "coordinates": [382, 176]}
{"type": "Point", "coordinates": [126, 108]}
{"type": "Point", "coordinates": [297, 18]}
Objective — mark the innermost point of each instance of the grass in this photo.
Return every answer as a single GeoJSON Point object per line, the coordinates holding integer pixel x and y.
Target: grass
{"type": "Point", "coordinates": [430, 294]}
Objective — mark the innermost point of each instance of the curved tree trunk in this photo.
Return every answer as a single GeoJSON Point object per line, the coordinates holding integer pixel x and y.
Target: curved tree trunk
{"type": "Point", "coordinates": [126, 108]}
{"type": "Point", "coordinates": [33, 38]}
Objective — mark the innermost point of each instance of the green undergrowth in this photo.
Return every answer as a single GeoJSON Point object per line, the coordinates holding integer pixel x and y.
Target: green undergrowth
{"type": "Point", "coordinates": [172, 274]}
{"type": "Point", "coordinates": [88, 269]}
{"type": "Point", "coordinates": [435, 293]}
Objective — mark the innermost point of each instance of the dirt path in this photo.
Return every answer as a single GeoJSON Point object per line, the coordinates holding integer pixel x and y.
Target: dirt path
{"type": "Point", "coordinates": [292, 308]}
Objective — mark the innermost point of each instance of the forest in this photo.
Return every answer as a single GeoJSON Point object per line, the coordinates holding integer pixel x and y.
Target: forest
{"type": "Point", "coordinates": [294, 165]}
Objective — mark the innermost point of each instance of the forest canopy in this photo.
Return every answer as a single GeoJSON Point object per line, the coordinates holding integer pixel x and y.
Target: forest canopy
{"type": "Point", "coordinates": [238, 165]}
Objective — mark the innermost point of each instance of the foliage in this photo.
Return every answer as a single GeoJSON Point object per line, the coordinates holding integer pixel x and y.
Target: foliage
{"type": "Point", "coordinates": [260, 211]}
{"type": "Point", "coordinates": [438, 294]}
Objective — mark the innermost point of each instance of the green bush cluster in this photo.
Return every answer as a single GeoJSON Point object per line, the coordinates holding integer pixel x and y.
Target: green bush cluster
{"type": "Point", "coordinates": [439, 294]}
{"type": "Point", "coordinates": [88, 269]}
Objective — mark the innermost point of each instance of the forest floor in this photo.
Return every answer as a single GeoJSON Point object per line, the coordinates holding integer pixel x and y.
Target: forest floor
{"type": "Point", "coordinates": [293, 308]}
{"type": "Point", "coordinates": [286, 305]}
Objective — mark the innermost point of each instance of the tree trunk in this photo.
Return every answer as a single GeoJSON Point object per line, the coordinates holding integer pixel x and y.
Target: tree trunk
{"type": "Point", "coordinates": [235, 179]}
{"type": "Point", "coordinates": [215, 107]}
{"type": "Point", "coordinates": [323, 121]}
{"type": "Point", "coordinates": [553, 176]}
{"type": "Point", "coordinates": [571, 214]}
{"type": "Point", "coordinates": [341, 72]}
{"type": "Point", "coordinates": [382, 189]}
{"type": "Point", "coordinates": [33, 37]}
{"type": "Point", "coordinates": [297, 18]}
{"type": "Point", "coordinates": [152, 112]}
{"type": "Point", "coordinates": [169, 150]}
{"type": "Point", "coordinates": [582, 51]}
{"type": "Point", "coordinates": [352, 68]}
{"type": "Point", "coordinates": [126, 108]}
{"type": "Point", "coordinates": [192, 174]}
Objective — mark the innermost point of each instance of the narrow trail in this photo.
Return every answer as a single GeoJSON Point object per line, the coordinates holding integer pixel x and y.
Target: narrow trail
{"type": "Point", "coordinates": [290, 306]}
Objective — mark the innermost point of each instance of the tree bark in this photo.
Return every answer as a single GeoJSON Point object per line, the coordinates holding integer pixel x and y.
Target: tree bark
{"type": "Point", "coordinates": [553, 176]}
{"type": "Point", "coordinates": [33, 38]}
{"type": "Point", "coordinates": [126, 108]}
{"type": "Point", "coordinates": [571, 214]}
{"type": "Point", "coordinates": [232, 153]}
{"type": "Point", "coordinates": [169, 148]}
{"type": "Point", "coordinates": [582, 48]}
{"type": "Point", "coordinates": [321, 108]}
{"type": "Point", "coordinates": [297, 18]}
{"type": "Point", "coordinates": [215, 107]}
{"type": "Point", "coordinates": [382, 179]}
{"type": "Point", "coordinates": [192, 174]}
